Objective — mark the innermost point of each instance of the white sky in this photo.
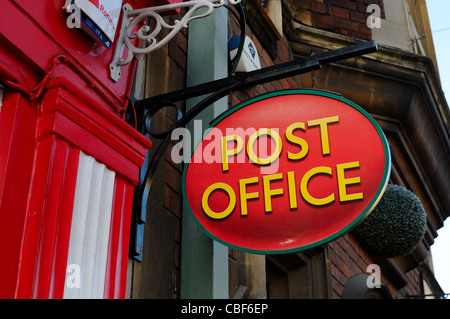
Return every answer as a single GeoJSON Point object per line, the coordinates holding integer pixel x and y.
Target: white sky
{"type": "Point", "coordinates": [438, 11]}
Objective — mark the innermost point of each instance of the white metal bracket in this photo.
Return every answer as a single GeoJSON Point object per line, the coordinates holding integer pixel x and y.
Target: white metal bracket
{"type": "Point", "coordinates": [131, 18]}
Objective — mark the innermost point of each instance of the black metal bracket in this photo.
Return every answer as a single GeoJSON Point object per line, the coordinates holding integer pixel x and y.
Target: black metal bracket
{"type": "Point", "coordinates": [217, 89]}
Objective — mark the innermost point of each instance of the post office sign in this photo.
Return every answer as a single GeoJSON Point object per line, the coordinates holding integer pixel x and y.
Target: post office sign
{"type": "Point", "coordinates": [286, 171]}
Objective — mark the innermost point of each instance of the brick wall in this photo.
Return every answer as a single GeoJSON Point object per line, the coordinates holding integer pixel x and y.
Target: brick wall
{"type": "Point", "coordinates": [283, 55]}
{"type": "Point", "coordinates": [348, 17]}
{"type": "Point", "coordinates": [348, 258]}
{"type": "Point", "coordinates": [173, 204]}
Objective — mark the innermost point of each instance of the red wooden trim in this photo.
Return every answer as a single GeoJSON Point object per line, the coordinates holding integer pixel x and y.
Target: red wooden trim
{"type": "Point", "coordinates": [34, 154]}
{"type": "Point", "coordinates": [116, 221]}
{"type": "Point", "coordinates": [47, 23]}
{"type": "Point", "coordinates": [34, 218]}
{"type": "Point", "coordinates": [64, 223]}
{"type": "Point", "coordinates": [125, 239]}
{"type": "Point", "coordinates": [14, 17]}
{"type": "Point", "coordinates": [8, 124]}
{"type": "Point", "coordinates": [92, 145]}
{"type": "Point", "coordinates": [17, 153]}
{"type": "Point", "coordinates": [104, 130]}
{"type": "Point", "coordinates": [116, 268]}
{"type": "Point", "coordinates": [68, 95]}
{"type": "Point", "coordinates": [56, 220]}
{"type": "Point", "coordinates": [36, 188]}
{"type": "Point", "coordinates": [110, 279]}
{"type": "Point", "coordinates": [94, 129]}
{"type": "Point", "coordinates": [46, 249]}
{"type": "Point", "coordinates": [86, 123]}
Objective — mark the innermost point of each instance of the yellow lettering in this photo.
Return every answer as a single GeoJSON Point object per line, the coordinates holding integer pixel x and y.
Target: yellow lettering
{"type": "Point", "coordinates": [296, 140]}
{"type": "Point", "coordinates": [304, 186]}
{"type": "Point", "coordinates": [343, 182]}
{"type": "Point", "coordinates": [244, 195]}
{"type": "Point", "coordinates": [205, 205]}
{"type": "Point", "coordinates": [226, 153]}
{"type": "Point", "coordinates": [268, 193]}
{"type": "Point", "coordinates": [278, 146]}
{"type": "Point", "coordinates": [292, 190]}
{"type": "Point", "coordinates": [323, 124]}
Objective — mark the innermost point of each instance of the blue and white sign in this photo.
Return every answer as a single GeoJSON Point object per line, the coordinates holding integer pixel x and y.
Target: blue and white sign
{"type": "Point", "coordinates": [99, 18]}
{"type": "Point", "coordinates": [249, 60]}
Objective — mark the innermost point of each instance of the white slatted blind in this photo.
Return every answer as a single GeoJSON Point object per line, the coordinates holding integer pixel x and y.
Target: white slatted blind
{"type": "Point", "coordinates": [89, 236]}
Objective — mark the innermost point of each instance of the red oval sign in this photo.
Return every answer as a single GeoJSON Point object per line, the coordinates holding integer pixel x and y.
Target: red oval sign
{"type": "Point", "coordinates": [286, 171]}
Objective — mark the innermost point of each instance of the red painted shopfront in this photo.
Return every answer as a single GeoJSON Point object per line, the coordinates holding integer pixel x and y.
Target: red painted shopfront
{"type": "Point", "coordinates": [68, 160]}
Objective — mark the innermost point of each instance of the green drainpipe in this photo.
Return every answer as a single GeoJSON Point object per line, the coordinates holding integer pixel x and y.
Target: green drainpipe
{"type": "Point", "coordinates": [204, 262]}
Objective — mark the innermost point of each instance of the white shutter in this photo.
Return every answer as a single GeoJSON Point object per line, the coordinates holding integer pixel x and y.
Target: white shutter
{"type": "Point", "coordinates": [89, 235]}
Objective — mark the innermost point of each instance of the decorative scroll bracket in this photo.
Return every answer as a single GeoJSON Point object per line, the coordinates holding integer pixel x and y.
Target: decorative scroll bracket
{"type": "Point", "coordinates": [131, 18]}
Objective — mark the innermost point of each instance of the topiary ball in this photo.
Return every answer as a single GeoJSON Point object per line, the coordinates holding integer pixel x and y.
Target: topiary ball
{"type": "Point", "coordinates": [395, 227]}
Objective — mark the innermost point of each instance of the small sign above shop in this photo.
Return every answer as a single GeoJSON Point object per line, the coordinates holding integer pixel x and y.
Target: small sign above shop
{"type": "Point", "coordinates": [287, 171]}
{"type": "Point", "coordinates": [249, 59]}
{"type": "Point", "coordinates": [99, 18]}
